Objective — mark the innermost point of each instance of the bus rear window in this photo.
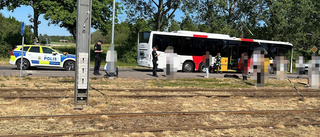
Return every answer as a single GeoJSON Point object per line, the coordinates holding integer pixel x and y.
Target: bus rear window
{"type": "Point", "coordinates": [144, 37]}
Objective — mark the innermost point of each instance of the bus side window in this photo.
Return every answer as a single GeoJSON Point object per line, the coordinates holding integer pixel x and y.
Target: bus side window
{"type": "Point", "coordinates": [176, 43]}
{"type": "Point", "coordinates": [161, 42]}
{"type": "Point", "coordinates": [186, 46]}
{"type": "Point", "coordinates": [198, 46]}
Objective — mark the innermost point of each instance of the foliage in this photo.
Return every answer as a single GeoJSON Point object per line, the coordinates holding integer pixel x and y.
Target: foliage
{"type": "Point", "coordinates": [294, 21]}
{"type": "Point", "coordinates": [10, 35]}
{"type": "Point", "coordinates": [58, 38]}
{"type": "Point", "coordinates": [188, 24]}
{"type": "Point", "coordinates": [127, 51]}
{"type": "Point", "coordinates": [122, 32]}
{"type": "Point", "coordinates": [174, 26]}
{"type": "Point", "coordinates": [232, 17]}
{"type": "Point", "coordinates": [39, 7]}
{"type": "Point", "coordinates": [64, 14]}
{"type": "Point", "coordinates": [44, 39]}
{"type": "Point", "coordinates": [158, 11]}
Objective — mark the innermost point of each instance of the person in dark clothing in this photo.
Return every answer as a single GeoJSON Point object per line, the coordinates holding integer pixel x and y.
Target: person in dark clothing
{"type": "Point", "coordinates": [154, 61]}
{"type": "Point", "coordinates": [97, 57]}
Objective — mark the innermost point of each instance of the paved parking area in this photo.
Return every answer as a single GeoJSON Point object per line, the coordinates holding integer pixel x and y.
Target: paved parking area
{"type": "Point", "coordinates": [123, 72]}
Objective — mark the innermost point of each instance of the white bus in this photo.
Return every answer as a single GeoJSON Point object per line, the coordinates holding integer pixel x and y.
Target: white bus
{"type": "Point", "coordinates": [190, 47]}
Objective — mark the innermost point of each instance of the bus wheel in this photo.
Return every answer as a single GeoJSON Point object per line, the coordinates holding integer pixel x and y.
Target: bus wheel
{"type": "Point", "coordinates": [202, 67]}
{"type": "Point", "coordinates": [188, 67]}
{"type": "Point", "coordinates": [271, 69]}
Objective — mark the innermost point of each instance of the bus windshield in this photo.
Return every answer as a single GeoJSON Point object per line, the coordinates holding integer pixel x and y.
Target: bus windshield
{"type": "Point", "coordinates": [144, 37]}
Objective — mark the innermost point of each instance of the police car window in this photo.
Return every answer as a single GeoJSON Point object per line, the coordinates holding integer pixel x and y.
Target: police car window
{"type": "Point", "coordinates": [25, 48]}
{"type": "Point", "coordinates": [47, 50]}
{"type": "Point", "coordinates": [35, 49]}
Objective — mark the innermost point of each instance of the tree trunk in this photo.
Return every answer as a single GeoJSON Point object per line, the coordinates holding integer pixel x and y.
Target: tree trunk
{"type": "Point", "coordinates": [73, 33]}
{"type": "Point", "coordinates": [35, 23]}
{"type": "Point", "coordinates": [159, 15]}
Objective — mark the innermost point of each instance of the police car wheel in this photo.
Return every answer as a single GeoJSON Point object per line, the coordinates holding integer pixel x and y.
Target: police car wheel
{"type": "Point", "coordinates": [25, 65]}
{"type": "Point", "coordinates": [69, 65]}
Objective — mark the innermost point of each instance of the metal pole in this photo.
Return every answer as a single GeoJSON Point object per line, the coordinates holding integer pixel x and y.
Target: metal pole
{"type": "Point", "coordinates": [291, 60]}
{"type": "Point", "coordinates": [112, 63]}
{"type": "Point", "coordinates": [82, 53]}
{"type": "Point", "coordinates": [21, 60]}
{"type": "Point", "coordinates": [113, 14]}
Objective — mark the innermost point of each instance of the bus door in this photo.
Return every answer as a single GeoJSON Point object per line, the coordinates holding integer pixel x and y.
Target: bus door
{"type": "Point", "coordinates": [242, 49]}
{"type": "Point", "coordinates": [233, 57]}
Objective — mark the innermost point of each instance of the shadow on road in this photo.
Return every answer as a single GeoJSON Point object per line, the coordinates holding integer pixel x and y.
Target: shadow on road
{"type": "Point", "coordinates": [47, 69]}
{"type": "Point", "coordinates": [250, 84]}
{"type": "Point", "coordinates": [147, 70]}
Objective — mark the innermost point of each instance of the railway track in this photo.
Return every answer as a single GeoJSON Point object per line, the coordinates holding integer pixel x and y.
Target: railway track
{"type": "Point", "coordinates": [165, 129]}
{"type": "Point", "coordinates": [159, 90]}
{"type": "Point", "coordinates": [163, 114]}
{"type": "Point", "coordinates": [156, 93]}
{"type": "Point", "coordinates": [215, 95]}
{"type": "Point", "coordinates": [159, 95]}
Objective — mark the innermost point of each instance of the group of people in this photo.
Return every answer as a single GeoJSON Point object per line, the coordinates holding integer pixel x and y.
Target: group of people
{"type": "Point", "coordinates": [155, 55]}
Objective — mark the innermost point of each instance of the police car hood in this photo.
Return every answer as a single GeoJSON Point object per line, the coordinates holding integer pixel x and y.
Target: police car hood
{"type": "Point", "coordinates": [70, 56]}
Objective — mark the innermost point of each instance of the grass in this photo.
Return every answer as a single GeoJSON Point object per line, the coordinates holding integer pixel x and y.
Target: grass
{"type": "Point", "coordinates": [62, 43]}
{"type": "Point", "coordinates": [200, 83]}
{"type": "Point", "coordinates": [100, 104]}
{"type": "Point", "coordinates": [4, 61]}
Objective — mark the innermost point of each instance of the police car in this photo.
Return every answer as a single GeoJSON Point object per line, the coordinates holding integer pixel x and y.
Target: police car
{"type": "Point", "coordinates": [41, 56]}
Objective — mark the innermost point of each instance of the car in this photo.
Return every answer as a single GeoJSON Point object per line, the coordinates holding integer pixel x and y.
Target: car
{"type": "Point", "coordinates": [41, 56]}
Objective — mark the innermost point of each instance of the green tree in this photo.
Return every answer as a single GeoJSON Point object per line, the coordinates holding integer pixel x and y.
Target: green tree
{"type": "Point", "coordinates": [294, 21]}
{"type": "Point", "coordinates": [10, 35]}
{"type": "Point", "coordinates": [64, 14]}
{"type": "Point", "coordinates": [96, 36]}
{"type": "Point", "coordinates": [127, 51]}
{"type": "Point", "coordinates": [174, 26]}
{"type": "Point", "coordinates": [44, 39]}
{"type": "Point", "coordinates": [39, 7]}
{"type": "Point", "coordinates": [158, 11]}
{"type": "Point", "coordinates": [233, 17]}
{"type": "Point", "coordinates": [122, 32]}
{"type": "Point", "coordinates": [188, 24]}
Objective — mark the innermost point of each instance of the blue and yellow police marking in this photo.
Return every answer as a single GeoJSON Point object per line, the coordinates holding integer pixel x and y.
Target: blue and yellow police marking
{"type": "Point", "coordinates": [50, 58]}
{"type": "Point", "coordinates": [42, 60]}
{"type": "Point", "coordinates": [46, 62]}
{"type": "Point", "coordinates": [35, 61]}
{"type": "Point", "coordinates": [12, 58]}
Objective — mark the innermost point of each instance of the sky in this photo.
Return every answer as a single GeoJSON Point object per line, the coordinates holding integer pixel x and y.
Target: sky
{"type": "Point", "coordinates": [21, 14]}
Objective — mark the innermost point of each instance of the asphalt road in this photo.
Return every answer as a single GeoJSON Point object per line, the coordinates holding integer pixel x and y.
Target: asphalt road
{"type": "Point", "coordinates": [7, 70]}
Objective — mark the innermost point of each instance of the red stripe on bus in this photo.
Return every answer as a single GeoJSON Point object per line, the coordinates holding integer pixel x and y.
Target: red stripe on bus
{"type": "Point", "coordinates": [200, 36]}
{"type": "Point", "coordinates": [197, 60]}
{"type": "Point", "coordinates": [247, 40]}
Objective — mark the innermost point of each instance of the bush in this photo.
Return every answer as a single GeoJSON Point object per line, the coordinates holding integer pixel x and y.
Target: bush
{"type": "Point", "coordinates": [5, 51]}
{"type": "Point", "coordinates": [10, 35]}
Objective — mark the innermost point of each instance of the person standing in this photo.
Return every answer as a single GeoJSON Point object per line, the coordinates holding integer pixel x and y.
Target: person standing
{"type": "Point", "coordinates": [218, 62]}
{"type": "Point", "coordinates": [154, 61]}
{"type": "Point", "coordinates": [97, 57]}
